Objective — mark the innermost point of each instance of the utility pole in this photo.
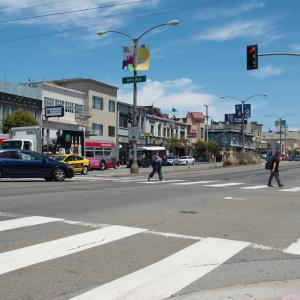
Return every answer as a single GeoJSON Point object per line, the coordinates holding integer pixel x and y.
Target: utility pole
{"type": "Point", "coordinates": [206, 117]}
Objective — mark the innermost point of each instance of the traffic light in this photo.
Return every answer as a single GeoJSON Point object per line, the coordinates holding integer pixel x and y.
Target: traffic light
{"type": "Point", "coordinates": [252, 57]}
{"type": "Point", "coordinates": [130, 117]}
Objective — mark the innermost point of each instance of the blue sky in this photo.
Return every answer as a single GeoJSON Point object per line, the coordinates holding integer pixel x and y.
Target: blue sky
{"type": "Point", "coordinates": [191, 65]}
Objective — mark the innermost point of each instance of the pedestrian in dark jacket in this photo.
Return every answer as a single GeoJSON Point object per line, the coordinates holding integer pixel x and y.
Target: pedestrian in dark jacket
{"type": "Point", "coordinates": [275, 170]}
{"type": "Point", "coordinates": [156, 166]}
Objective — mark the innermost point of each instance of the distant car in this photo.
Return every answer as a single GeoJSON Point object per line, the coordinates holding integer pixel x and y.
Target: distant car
{"type": "Point", "coordinates": [16, 163]}
{"type": "Point", "coordinates": [186, 160]}
{"type": "Point", "coordinates": [77, 162]}
{"type": "Point", "coordinates": [173, 160]}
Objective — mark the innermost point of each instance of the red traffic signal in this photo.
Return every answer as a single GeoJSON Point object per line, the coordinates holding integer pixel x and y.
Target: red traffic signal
{"type": "Point", "coordinates": [252, 57]}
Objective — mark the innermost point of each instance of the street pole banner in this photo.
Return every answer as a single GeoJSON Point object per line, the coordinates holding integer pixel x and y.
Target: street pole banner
{"type": "Point", "coordinates": [233, 119]}
{"type": "Point", "coordinates": [142, 60]}
{"type": "Point", "coordinates": [247, 110]}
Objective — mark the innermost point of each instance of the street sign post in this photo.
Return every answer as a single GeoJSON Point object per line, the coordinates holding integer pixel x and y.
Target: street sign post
{"type": "Point", "coordinates": [136, 79]}
{"type": "Point", "coordinates": [133, 134]}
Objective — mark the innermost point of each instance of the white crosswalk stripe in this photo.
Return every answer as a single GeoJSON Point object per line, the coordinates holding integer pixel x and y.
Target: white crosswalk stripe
{"type": "Point", "coordinates": [24, 222]}
{"type": "Point", "coordinates": [224, 184]}
{"type": "Point", "coordinates": [292, 190]}
{"type": "Point", "coordinates": [255, 187]}
{"type": "Point", "coordinates": [24, 257]}
{"type": "Point", "coordinates": [294, 248]}
{"type": "Point", "coordinates": [195, 182]}
{"type": "Point", "coordinates": [170, 275]}
{"type": "Point", "coordinates": [160, 181]}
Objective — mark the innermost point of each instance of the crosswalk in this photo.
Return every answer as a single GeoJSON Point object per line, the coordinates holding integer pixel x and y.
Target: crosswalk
{"type": "Point", "coordinates": [184, 182]}
{"type": "Point", "coordinates": [160, 279]}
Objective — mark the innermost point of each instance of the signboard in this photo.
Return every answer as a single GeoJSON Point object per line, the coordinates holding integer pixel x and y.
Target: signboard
{"type": "Point", "coordinates": [247, 110]}
{"type": "Point", "coordinates": [133, 134]}
{"type": "Point", "coordinates": [191, 135]}
{"type": "Point", "coordinates": [20, 101]}
{"type": "Point", "coordinates": [135, 79]}
{"type": "Point", "coordinates": [142, 60]}
{"type": "Point", "coordinates": [233, 119]}
{"type": "Point", "coordinates": [54, 111]}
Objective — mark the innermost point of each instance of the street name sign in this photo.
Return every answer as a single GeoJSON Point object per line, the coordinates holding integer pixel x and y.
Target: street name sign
{"type": "Point", "coordinates": [135, 79]}
{"type": "Point", "coordinates": [54, 111]}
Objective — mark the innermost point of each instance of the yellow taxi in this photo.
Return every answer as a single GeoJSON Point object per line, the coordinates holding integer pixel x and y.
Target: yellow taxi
{"type": "Point", "coordinates": [77, 162]}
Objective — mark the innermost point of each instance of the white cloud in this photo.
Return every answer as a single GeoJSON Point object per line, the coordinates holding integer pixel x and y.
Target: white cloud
{"type": "Point", "coordinates": [217, 11]}
{"type": "Point", "coordinates": [239, 29]}
{"type": "Point", "coordinates": [266, 71]}
{"type": "Point", "coordinates": [181, 94]}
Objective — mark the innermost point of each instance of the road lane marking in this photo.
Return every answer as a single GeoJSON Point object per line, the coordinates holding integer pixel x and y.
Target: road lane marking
{"type": "Point", "coordinates": [292, 190]}
{"type": "Point", "coordinates": [255, 187]}
{"type": "Point", "coordinates": [166, 277]}
{"type": "Point", "coordinates": [160, 181]}
{"type": "Point", "coordinates": [232, 198]}
{"type": "Point", "coordinates": [24, 257]}
{"type": "Point", "coordinates": [224, 184]}
{"type": "Point", "coordinates": [131, 180]}
{"type": "Point", "coordinates": [294, 248]}
{"type": "Point", "coordinates": [25, 222]}
{"type": "Point", "coordinates": [174, 235]}
{"type": "Point", "coordinates": [195, 182]}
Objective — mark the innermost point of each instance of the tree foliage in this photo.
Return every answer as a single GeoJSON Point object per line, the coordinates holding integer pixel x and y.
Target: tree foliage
{"type": "Point", "coordinates": [19, 118]}
{"type": "Point", "coordinates": [200, 147]}
{"type": "Point", "coordinates": [212, 147]}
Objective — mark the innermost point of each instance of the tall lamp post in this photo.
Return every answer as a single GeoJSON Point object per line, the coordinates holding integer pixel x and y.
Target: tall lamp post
{"type": "Point", "coordinates": [243, 101]}
{"type": "Point", "coordinates": [280, 118]}
{"type": "Point", "coordinates": [134, 166]}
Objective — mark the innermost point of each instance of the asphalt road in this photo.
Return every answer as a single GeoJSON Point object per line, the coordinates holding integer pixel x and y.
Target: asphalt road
{"type": "Point", "coordinates": [201, 234]}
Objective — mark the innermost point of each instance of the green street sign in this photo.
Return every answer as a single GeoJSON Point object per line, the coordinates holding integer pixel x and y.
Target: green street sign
{"type": "Point", "coordinates": [136, 79]}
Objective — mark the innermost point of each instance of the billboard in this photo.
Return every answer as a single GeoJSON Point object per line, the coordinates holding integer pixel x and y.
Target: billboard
{"type": "Point", "coordinates": [142, 60]}
{"type": "Point", "coordinates": [247, 110]}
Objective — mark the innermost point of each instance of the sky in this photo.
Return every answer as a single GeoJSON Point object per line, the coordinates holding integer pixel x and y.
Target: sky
{"type": "Point", "coordinates": [192, 65]}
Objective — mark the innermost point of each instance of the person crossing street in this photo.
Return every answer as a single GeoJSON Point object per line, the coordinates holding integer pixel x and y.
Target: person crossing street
{"type": "Point", "coordinates": [275, 170]}
{"type": "Point", "coordinates": [156, 166]}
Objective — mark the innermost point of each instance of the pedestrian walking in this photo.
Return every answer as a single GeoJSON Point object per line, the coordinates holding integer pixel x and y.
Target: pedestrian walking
{"type": "Point", "coordinates": [156, 166]}
{"type": "Point", "coordinates": [275, 170]}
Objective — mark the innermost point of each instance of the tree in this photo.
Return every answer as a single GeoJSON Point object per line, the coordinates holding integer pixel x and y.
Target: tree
{"type": "Point", "coordinates": [200, 147]}
{"type": "Point", "coordinates": [19, 118]}
{"type": "Point", "coordinates": [212, 147]}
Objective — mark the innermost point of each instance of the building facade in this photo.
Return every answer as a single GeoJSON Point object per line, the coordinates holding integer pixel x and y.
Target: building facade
{"type": "Point", "coordinates": [100, 107]}
{"type": "Point", "coordinates": [196, 126]}
{"type": "Point", "coordinates": [17, 96]}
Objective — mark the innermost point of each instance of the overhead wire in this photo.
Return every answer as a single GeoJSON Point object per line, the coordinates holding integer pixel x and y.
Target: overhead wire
{"type": "Point", "coordinates": [72, 11]}
{"type": "Point", "coordinates": [162, 11]}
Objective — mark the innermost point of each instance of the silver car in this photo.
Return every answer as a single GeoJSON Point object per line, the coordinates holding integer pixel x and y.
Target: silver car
{"type": "Point", "coordinates": [172, 160]}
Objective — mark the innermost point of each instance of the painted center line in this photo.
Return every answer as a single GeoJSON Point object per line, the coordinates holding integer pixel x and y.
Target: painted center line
{"type": "Point", "coordinates": [224, 184]}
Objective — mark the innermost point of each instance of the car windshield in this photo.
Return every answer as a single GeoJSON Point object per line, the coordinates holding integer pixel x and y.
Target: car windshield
{"type": "Point", "coordinates": [171, 157]}
{"type": "Point", "coordinates": [12, 145]}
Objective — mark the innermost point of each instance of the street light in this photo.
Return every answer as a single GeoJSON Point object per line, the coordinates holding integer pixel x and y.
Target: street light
{"type": "Point", "coordinates": [280, 127]}
{"type": "Point", "coordinates": [134, 167]}
{"type": "Point", "coordinates": [243, 101]}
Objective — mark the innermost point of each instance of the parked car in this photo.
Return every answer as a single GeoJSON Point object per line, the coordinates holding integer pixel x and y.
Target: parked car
{"type": "Point", "coordinates": [16, 163]}
{"type": "Point", "coordinates": [172, 160]}
{"type": "Point", "coordinates": [77, 162]}
{"type": "Point", "coordinates": [186, 160]}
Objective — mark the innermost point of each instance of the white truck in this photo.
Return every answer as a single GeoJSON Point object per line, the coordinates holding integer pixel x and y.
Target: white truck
{"type": "Point", "coordinates": [46, 140]}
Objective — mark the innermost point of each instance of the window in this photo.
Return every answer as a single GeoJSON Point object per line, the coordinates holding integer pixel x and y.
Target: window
{"type": "Point", "coordinates": [98, 152]}
{"type": "Point", "coordinates": [123, 121]}
{"type": "Point", "coordinates": [165, 132]}
{"type": "Point", "coordinates": [9, 154]}
{"type": "Point", "coordinates": [107, 151]}
{"type": "Point", "coordinates": [152, 130]}
{"type": "Point", "coordinates": [78, 109]}
{"type": "Point", "coordinates": [202, 133]}
{"type": "Point", "coordinates": [112, 106]}
{"type": "Point", "coordinates": [59, 102]}
{"type": "Point", "coordinates": [70, 107]}
{"type": "Point", "coordinates": [97, 103]}
{"type": "Point", "coordinates": [97, 129]}
{"type": "Point", "coordinates": [159, 130]}
{"type": "Point", "coordinates": [111, 131]}
{"type": "Point", "coordinates": [48, 101]}
{"type": "Point", "coordinates": [31, 155]}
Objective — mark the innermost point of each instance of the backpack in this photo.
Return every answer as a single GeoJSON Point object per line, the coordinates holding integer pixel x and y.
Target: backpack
{"type": "Point", "coordinates": [269, 165]}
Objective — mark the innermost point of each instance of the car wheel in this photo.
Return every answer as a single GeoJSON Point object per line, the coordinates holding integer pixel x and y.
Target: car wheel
{"type": "Point", "coordinates": [102, 165]}
{"type": "Point", "coordinates": [85, 170]}
{"type": "Point", "coordinates": [59, 174]}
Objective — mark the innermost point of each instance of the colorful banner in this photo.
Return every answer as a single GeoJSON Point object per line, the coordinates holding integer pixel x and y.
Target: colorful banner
{"type": "Point", "coordinates": [142, 59]}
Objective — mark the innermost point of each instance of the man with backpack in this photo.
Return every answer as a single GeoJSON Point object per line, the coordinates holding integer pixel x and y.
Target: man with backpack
{"type": "Point", "coordinates": [156, 166]}
{"type": "Point", "coordinates": [274, 169]}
